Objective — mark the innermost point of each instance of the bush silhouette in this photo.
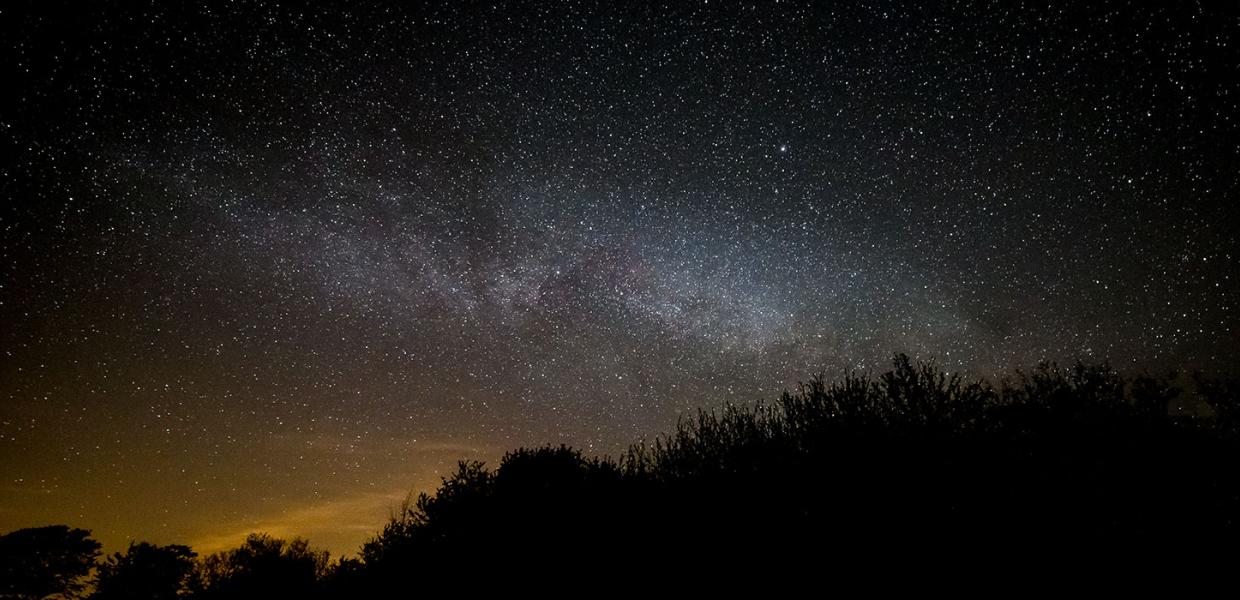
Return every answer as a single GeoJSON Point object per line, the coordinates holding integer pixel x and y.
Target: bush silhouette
{"type": "Point", "coordinates": [263, 567]}
{"type": "Point", "coordinates": [912, 458]}
{"type": "Point", "coordinates": [145, 572]}
{"type": "Point", "coordinates": [914, 466]}
{"type": "Point", "coordinates": [45, 561]}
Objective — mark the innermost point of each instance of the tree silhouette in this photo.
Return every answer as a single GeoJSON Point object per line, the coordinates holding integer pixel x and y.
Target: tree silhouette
{"type": "Point", "coordinates": [263, 567]}
{"type": "Point", "coordinates": [45, 561]}
{"type": "Point", "coordinates": [1223, 397]}
{"type": "Point", "coordinates": [909, 467]}
{"type": "Point", "coordinates": [1055, 459]}
{"type": "Point", "coordinates": [145, 572]}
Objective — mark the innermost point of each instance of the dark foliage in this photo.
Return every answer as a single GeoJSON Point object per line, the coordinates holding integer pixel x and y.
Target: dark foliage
{"type": "Point", "coordinates": [45, 561]}
{"type": "Point", "coordinates": [145, 572]}
{"type": "Point", "coordinates": [913, 467]}
{"type": "Point", "coordinates": [263, 567]}
{"type": "Point", "coordinates": [916, 463]}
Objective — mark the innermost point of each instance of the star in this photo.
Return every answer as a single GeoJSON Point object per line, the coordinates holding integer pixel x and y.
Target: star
{"type": "Point", "coordinates": [253, 255]}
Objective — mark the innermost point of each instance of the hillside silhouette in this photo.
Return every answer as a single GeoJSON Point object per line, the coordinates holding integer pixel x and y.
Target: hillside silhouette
{"type": "Point", "coordinates": [915, 464]}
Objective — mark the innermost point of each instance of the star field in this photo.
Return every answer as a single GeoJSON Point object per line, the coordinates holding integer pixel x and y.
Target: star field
{"type": "Point", "coordinates": [272, 267]}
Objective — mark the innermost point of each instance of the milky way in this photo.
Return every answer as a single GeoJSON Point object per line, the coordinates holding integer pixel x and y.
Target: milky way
{"type": "Point", "coordinates": [272, 268]}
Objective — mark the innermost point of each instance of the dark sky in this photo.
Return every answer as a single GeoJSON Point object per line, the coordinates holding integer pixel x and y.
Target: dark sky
{"type": "Point", "coordinates": [271, 267]}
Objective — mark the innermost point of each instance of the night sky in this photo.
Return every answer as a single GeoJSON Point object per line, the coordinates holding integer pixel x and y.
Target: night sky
{"type": "Point", "coordinates": [271, 268]}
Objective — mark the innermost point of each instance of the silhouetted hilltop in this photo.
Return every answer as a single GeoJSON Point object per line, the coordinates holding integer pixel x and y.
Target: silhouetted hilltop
{"type": "Point", "coordinates": [913, 465]}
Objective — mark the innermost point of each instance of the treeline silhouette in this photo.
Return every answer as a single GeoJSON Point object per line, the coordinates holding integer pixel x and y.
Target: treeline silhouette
{"type": "Point", "coordinates": [914, 464]}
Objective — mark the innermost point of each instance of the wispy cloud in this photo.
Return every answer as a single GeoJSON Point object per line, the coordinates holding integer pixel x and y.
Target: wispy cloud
{"type": "Point", "coordinates": [339, 524]}
{"type": "Point", "coordinates": [340, 521]}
